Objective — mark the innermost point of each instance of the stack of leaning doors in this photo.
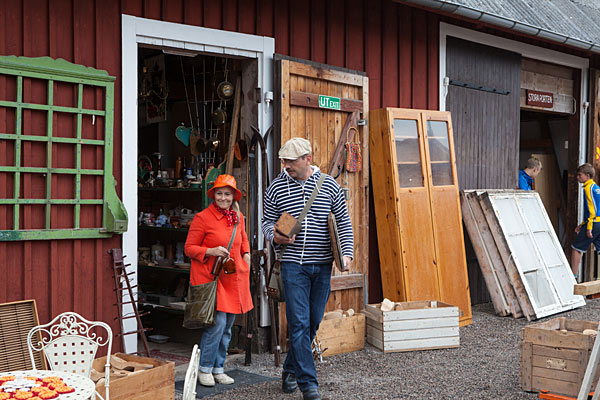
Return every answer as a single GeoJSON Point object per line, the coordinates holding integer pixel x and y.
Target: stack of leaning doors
{"type": "Point", "coordinates": [520, 256]}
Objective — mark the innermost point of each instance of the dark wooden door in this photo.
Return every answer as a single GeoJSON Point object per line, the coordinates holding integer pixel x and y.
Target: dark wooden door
{"type": "Point", "coordinates": [486, 125]}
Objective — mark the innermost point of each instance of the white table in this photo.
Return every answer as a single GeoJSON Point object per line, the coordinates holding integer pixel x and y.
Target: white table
{"type": "Point", "coordinates": [84, 387]}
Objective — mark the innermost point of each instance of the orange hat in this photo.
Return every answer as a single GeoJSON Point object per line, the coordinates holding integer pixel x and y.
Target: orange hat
{"type": "Point", "coordinates": [224, 181]}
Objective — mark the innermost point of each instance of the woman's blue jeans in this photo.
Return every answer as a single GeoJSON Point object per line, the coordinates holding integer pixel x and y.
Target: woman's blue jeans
{"type": "Point", "coordinates": [214, 343]}
{"type": "Point", "coordinates": [306, 288]}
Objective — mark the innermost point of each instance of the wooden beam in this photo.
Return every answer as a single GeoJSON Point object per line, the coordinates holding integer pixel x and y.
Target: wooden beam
{"type": "Point", "coordinates": [350, 281]}
{"type": "Point", "coordinates": [587, 288]}
{"type": "Point", "coordinates": [303, 99]}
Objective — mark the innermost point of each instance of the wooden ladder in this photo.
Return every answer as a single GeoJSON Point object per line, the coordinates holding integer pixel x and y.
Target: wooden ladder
{"type": "Point", "coordinates": [122, 277]}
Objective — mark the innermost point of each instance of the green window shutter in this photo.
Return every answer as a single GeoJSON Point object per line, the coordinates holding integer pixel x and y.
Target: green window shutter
{"type": "Point", "coordinates": [51, 75]}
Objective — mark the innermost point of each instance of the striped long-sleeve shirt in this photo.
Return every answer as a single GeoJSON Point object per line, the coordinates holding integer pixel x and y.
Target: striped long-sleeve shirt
{"type": "Point", "coordinates": [312, 244]}
{"type": "Point", "coordinates": [592, 200]}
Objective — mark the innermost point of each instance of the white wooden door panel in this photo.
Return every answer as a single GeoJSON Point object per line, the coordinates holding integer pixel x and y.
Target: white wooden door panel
{"type": "Point", "coordinates": [537, 253]}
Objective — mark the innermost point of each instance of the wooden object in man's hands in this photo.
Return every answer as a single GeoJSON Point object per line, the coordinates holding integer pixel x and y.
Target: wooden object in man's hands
{"type": "Point", "coordinates": [286, 224]}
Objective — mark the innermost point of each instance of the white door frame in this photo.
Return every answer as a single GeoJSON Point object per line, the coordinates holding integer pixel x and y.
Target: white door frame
{"type": "Point", "coordinates": [135, 31]}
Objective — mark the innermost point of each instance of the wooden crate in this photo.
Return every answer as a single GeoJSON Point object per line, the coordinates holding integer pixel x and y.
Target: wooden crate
{"type": "Point", "coordinates": [554, 355]}
{"type": "Point", "coordinates": [413, 325]}
{"type": "Point", "coordinates": [157, 383]}
{"type": "Point", "coordinates": [342, 335]}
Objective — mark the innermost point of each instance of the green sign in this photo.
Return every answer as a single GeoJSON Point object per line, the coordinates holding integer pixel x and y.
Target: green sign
{"type": "Point", "coordinates": [333, 103]}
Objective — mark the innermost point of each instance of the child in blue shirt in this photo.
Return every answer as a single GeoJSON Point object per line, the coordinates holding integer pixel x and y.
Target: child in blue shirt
{"type": "Point", "coordinates": [591, 222]}
{"type": "Point", "coordinates": [529, 173]}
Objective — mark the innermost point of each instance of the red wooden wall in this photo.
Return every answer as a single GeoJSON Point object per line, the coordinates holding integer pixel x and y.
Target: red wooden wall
{"type": "Point", "coordinates": [396, 45]}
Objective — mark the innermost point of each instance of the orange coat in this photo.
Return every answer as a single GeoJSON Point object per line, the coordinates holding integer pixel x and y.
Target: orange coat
{"type": "Point", "coordinates": [209, 229]}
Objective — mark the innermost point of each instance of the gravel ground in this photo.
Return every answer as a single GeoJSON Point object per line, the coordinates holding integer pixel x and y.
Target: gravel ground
{"type": "Point", "coordinates": [486, 366]}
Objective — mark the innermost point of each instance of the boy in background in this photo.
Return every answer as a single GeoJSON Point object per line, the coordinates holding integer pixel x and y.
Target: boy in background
{"type": "Point", "coordinates": [591, 223]}
{"type": "Point", "coordinates": [529, 173]}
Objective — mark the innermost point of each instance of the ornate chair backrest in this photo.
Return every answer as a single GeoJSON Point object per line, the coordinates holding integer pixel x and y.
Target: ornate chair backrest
{"type": "Point", "coordinates": [70, 342]}
{"type": "Point", "coordinates": [189, 385]}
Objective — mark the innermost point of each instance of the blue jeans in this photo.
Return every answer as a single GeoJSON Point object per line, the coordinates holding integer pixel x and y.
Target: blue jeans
{"type": "Point", "coordinates": [214, 343]}
{"type": "Point", "coordinates": [306, 288]}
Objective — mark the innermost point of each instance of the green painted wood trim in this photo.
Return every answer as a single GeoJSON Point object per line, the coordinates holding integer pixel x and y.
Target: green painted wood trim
{"type": "Point", "coordinates": [78, 134]}
{"type": "Point", "coordinates": [32, 138]}
{"type": "Point", "coordinates": [47, 234]}
{"type": "Point", "coordinates": [44, 170]}
{"type": "Point", "coordinates": [18, 132]}
{"type": "Point", "coordinates": [58, 68]}
{"type": "Point", "coordinates": [114, 218]}
{"type": "Point", "coordinates": [49, 126]}
{"type": "Point", "coordinates": [46, 107]}
{"type": "Point", "coordinates": [52, 201]}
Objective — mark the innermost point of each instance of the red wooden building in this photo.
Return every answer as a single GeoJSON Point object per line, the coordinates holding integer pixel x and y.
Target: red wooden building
{"type": "Point", "coordinates": [405, 49]}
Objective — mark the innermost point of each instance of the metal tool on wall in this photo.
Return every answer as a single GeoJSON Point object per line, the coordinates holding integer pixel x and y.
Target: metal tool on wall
{"type": "Point", "coordinates": [234, 124]}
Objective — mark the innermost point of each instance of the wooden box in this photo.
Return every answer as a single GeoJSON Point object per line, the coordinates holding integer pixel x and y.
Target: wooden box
{"type": "Point", "coordinates": [554, 355]}
{"type": "Point", "coordinates": [413, 325]}
{"type": "Point", "coordinates": [342, 335]}
{"type": "Point", "coordinates": [157, 383]}
{"type": "Point", "coordinates": [286, 224]}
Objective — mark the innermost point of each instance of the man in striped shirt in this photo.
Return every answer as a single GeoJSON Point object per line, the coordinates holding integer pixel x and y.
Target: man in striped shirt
{"type": "Point", "coordinates": [591, 222]}
{"type": "Point", "coordinates": [306, 262]}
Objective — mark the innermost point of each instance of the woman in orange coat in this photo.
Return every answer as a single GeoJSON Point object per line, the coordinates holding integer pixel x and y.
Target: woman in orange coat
{"type": "Point", "coordinates": [208, 238]}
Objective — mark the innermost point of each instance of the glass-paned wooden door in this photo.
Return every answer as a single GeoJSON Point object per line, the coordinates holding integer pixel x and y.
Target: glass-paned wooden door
{"type": "Point", "coordinates": [445, 210]}
{"type": "Point", "coordinates": [413, 204]}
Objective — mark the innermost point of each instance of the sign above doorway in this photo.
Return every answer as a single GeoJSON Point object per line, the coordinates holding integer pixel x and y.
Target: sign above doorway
{"type": "Point", "coordinates": [539, 99]}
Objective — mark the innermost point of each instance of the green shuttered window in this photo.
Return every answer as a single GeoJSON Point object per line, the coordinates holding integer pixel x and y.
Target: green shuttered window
{"type": "Point", "coordinates": [56, 151]}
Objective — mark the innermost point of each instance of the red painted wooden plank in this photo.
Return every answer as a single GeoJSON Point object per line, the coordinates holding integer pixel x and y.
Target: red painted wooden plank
{"type": "Point", "coordinates": [212, 14]}
{"type": "Point", "coordinates": [354, 35]}
{"type": "Point", "coordinates": [13, 31]}
{"type": "Point", "coordinates": [172, 11]}
{"type": "Point", "coordinates": [317, 31]}
{"type": "Point", "coordinates": [229, 15]}
{"type": "Point", "coordinates": [432, 61]}
{"type": "Point", "coordinates": [246, 11]}
{"type": "Point", "coordinates": [405, 56]}
{"type": "Point", "coordinates": [131, 7]}
{"type": "Point", "coordinates": [419, 60]}
{"type": "Point", "coordinates": [84, 33]}
{"type": "Point", "coordinates": [335, 33]}
{"type": "Point", "coordinates": [264, 18]}
{"type": "Point", "coordinates": [281, 27]}
{"type": "Point", "coordinates": [389, 57]}
{"type": "Point", "coordinates": [152, 9]}
{"type": "Point", "coordinates": [373, 55]}
{"type": "Point", "coordinates": [56, 272]}
{"type": "Point", "coordinates": [192, 14]}
{"type": "Point", "coordinates": [300, 29]}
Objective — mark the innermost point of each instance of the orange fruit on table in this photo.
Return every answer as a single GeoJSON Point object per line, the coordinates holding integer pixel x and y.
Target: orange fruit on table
{"type": "Point", "coordinates": [48, 394]}
{"type": "Point", "coordinates": [22, 395]}
{"type": "Point", "coordinates": [65, 389]}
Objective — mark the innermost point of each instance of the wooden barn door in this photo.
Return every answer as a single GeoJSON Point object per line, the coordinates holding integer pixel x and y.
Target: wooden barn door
{"type": "Point", "coordinates": [314, 101]}
{"type": "Point", "coordinates": [483, 98]}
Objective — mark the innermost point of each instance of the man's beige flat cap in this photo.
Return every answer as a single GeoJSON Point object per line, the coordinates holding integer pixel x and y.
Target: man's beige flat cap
{"type": "Point", "coordinates": [295, 148]}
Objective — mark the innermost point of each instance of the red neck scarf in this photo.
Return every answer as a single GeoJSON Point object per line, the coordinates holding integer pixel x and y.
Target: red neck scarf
{"type": "Point", "coordinates": [230, 215]}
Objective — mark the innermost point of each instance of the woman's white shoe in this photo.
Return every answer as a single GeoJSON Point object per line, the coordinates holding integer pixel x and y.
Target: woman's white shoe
{"type": "Point", "coordinates": [223, 379]}
{"type": "Point", "coordinates": [206, 379]}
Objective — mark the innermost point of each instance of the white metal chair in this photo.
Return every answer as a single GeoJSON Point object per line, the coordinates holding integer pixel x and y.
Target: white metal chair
{"type": "Point", "coordinates": [70, 342]}
{"type": "Point", "coordinates": [189, 385]}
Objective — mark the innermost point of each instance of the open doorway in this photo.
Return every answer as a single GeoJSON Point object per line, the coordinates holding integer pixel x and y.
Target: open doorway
{"type": "Point", "coordinates": [546, 136]}
{"type": "Point", "coordinates": [186, 103]}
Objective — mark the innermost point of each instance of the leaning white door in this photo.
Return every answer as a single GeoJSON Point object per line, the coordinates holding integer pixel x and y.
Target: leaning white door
{"type": "Point", "coordinates": [538, 256]}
